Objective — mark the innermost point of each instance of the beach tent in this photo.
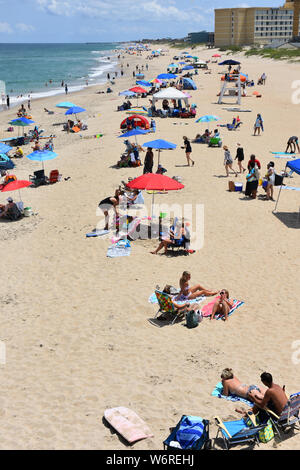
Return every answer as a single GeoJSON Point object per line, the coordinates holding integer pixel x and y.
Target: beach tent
{"type": "Point", "coordinates": [138, 121]}
{"type": "Point", "coordinates": [294, 165]}
{"type": "Point", "coordinates": [170, 94]}
{"type": "Point", "coordinates": [5, 162]}
{"type": "Point", "coordinates": [189, 84]}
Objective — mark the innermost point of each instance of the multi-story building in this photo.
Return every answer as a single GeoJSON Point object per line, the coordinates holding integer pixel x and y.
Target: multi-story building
{"type": "Point", "coordinates": [256, 25]}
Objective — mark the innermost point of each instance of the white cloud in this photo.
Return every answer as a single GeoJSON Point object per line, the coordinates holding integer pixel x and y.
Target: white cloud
{"type": "Point", "coordinates": [5, 28]}
{"type": "Point", "coordinates": [25, 28]}
{"type": "Point", "coordinates": [120, 10]}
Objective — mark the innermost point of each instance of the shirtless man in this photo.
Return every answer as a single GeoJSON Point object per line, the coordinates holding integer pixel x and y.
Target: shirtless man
{"type": "Point", "coordinates": [232, 385]}
{"type": "Point", "coordinates": [275, 398]}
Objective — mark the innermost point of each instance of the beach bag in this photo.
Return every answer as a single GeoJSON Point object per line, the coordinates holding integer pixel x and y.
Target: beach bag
{"type": "Point", "coordinates": [231, 186]}
{"type": "Point", "coordinates": [266, 434]}
{"type": "Point", "coordinates": [192, 319]}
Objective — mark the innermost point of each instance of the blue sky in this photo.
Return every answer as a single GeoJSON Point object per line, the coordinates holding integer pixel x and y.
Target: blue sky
{"type": "Point", "coordinates": [108, 20]}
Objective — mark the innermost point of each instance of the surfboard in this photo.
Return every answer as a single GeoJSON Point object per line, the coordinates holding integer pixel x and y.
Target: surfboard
{"type": "Point", "coordinates": [97, 233]}
{"type": "Point", "coordinates": [127, 423]}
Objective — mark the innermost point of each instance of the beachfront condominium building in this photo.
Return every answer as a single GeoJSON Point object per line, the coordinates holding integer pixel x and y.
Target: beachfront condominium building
{"type": "Point", "coordinates": [256, 25]}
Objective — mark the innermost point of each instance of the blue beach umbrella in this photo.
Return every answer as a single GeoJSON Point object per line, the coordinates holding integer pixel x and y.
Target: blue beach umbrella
{"type": "Point", "coordinates": [75, 110]}
{"type": "Point", "coordinates": [4, 148]}
{"type": "Point", "coordinates": [65, 104]}
{"type": "Point", "coordinates": [166, 76]}
{"type": "Point", "coordinates": [133, 132]}
{"type": "Point", "coordinates": [160, 144]}
{"type": "Point", "coordinates": [188, 67]}
{"type": "Point", "coordinates": [143, 83]}
{"type": "Point", "coordinates": [182, 63]}
{"type": "Point", "coordinates": [42, 155]}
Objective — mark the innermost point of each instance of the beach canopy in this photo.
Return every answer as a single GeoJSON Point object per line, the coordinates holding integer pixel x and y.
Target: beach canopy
{"type": "Point", "coordinates": [188, 67]}
{"type": "Point", "coordinates": [189, 84]}
{"type": "Point", "coordinates": [138, 121]}
{"type": "Point", "coordinates": [75, 110]}
{"type": "Point", "coordinates": [229, 62]}
{"type": "Point", "coordinates": [166, 76]}
{"type": "Point", "coordinates": [4, 148]}
{"type": "Point", "coordinates": [65, 104]}
{"type": "Point", "coordinates": [293, 165]}
{"type": "Point", "coordinates": [155, 182]}
{"type": "Point", "coordinates": [170, 93]}
{"type": "Point", "coordinates": [22, 121]}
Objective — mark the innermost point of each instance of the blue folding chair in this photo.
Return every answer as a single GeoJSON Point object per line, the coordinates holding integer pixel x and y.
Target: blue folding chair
{"type": "Point", "coordinates": [238, 432]}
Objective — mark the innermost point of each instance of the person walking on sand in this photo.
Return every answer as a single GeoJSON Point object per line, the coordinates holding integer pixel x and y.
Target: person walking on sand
{"type": "Point", "coordinates": [188, 150]}
{"type": "Point", "coordinates": [258, 125]}
{"type": "Point", "coordinates": [240, 158]}
{"type": "Point", "coordinates": [228, 161]}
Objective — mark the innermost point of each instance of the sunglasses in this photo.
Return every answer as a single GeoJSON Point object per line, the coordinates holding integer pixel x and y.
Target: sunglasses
{"type": "Point", "coordinates": [222, 293]}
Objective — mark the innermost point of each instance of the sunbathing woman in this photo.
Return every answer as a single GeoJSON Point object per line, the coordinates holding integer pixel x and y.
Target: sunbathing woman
{"type": "Point", "coordinates": [176, 236]}
{"type": "Point", "coordinates": [193, 292]}
{"type": "Point", "coordinates": [232, 385]}
{"type": "Point", "coordinates": [222, 306]}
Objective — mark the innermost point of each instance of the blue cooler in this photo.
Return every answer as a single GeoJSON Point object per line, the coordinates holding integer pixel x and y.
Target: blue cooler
{"type": "Point", "coordinates": [238, 187]}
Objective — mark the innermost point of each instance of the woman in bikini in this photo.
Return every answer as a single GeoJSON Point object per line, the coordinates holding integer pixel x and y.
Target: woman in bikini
{"type": "Point", "coordinates": [193, 292]}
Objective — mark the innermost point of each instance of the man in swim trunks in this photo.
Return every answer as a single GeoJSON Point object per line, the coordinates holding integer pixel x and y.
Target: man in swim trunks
{"type": "Point", "coordinates": [275, 398]}
{"type": "Point", "coordinates": [233, 386]}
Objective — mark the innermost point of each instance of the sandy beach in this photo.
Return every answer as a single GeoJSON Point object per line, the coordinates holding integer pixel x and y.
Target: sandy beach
{"type": "Point", "coordinates": [75, 323]}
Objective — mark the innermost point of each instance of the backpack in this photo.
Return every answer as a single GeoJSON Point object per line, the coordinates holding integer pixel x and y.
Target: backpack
{"type": "Point", "coordinates": [192, 319]}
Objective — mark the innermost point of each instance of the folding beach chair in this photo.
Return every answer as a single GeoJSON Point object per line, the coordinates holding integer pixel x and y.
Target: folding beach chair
{"type": "Point", "coordinates": [192, 432]}
{"type": "Point", "coordinates": [290, 415]}
{"type": "Point", "coordinates": [38, 178]}
{"type": "Point", "coordinates": [166, 307]}
{"type": "Point", "coordinates": [53, 177]}
{"type": "Point", "coordinates": [237, 432]}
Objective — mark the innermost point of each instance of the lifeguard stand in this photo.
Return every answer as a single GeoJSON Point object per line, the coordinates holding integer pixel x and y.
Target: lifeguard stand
{"type": "Point", "coordinates": [233, 90]}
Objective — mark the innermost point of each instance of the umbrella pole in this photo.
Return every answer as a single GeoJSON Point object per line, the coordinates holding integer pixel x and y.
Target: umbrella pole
{"type": "Point", "coordinates": [152, 205]}
{"type": "Point", "coordinates": [279, 192]}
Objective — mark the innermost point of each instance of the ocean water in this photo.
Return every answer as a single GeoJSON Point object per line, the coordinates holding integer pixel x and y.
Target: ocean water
{"type": "Point", "coordinates": [28, 68]}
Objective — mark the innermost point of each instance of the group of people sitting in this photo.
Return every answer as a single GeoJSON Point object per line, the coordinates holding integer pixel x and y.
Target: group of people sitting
{"type": "Point", "coordinates": [71, 126]}
{"type": "Point", "coordinates": [174, 110]}
{"type": "Point", "coordinates": [22, 111]}
{"type": "Point", "coordinates": [206, 137]}
{"type": "Point", "coordinates": [131, 156]}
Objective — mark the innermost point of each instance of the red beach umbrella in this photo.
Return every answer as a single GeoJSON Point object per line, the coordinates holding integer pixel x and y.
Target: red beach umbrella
{"type": "Point", "coordinates": [14, 185]}
{"type": "Point", "coordinates": [154, 182]}
{"type": "Point", "coordinates": [216, 55]}
{"type": "Point", "coordinates": [138, 89]}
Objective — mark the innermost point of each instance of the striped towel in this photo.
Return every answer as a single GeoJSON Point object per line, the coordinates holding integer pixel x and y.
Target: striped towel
{"type": "Point", "coordinates": [207, 309]}
{"type": "Point", "coordinates": [217, 392]}
{"type": "Point", "coordinates": [190, 431]}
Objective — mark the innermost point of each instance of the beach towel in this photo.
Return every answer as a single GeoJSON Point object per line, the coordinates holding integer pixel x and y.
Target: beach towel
{"type": "Point", "coordinates": [190, 431]}
{"type": "Point", "coordinates": [207, 309]}
{"type": "Point", "coordinates": [283, 155]}
{"type": "Point", "coordinates": [121, 248]}
{"type": "Point", "coordinates": [218, 390]}
{"type": "Point", "coordinates": [292, 188]}
{"type": "Point", "coordinates": [179, 300]}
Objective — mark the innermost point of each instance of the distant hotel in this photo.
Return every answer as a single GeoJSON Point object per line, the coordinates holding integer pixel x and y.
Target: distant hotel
{"type": "Point", "coordinates": [257, 25]}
